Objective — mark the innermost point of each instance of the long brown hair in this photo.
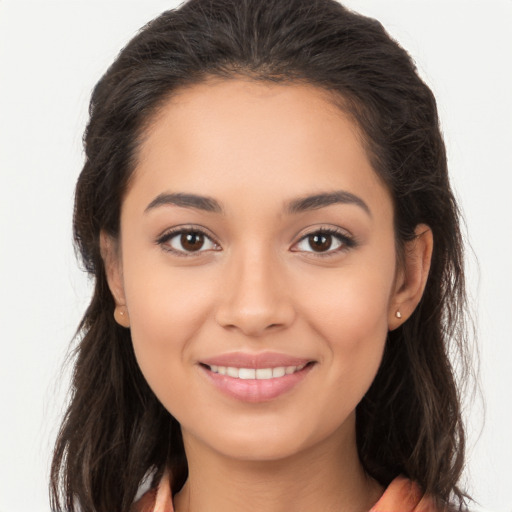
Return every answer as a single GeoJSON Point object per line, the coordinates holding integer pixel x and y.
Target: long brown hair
{"type": "Point", "coordinates": [409, 422]}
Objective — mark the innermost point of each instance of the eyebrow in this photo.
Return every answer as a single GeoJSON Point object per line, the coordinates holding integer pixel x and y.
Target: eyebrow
{"type": "Point", "coordinates": [302, 204]}
{"type": "Point", "coordinates": [204, 203]}
{"type": "Point", "coordinates": [322, 200]}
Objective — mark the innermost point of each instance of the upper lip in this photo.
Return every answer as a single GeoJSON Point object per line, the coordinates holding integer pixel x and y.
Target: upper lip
{"type": "Point", "coordinates": [256, 361]}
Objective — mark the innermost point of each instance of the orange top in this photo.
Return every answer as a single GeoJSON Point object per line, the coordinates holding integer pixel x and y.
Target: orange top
{"type": "Point", "coordinates": [402, 495]}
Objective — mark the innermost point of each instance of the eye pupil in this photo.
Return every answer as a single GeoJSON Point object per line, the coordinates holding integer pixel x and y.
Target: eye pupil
{"type": "Point", "coordinates": [320, 242]}
{"type": "Point", "coordinates": [192, 241]}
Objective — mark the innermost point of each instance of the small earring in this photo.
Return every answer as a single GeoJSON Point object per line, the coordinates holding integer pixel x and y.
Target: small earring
{"type": "Point", "coordinates": [121, 316]}
{"type": "Point", "coordinates": [398, 314]}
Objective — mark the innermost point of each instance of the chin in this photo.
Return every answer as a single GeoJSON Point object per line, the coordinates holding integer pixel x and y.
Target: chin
{"type": "Point", "coordinates": [262, 450]}
{"type": "Point", "coordinates": [266, 441]}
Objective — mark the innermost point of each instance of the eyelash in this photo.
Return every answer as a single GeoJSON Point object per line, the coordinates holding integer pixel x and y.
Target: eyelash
{"type": "Point", "coordinates": [169, 235]}
{"type": "Point", "coordinates": [347, 242]}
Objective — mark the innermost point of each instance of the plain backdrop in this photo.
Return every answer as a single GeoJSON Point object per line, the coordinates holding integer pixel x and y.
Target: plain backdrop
{"type": "Point", "coordinates": [51, 55]}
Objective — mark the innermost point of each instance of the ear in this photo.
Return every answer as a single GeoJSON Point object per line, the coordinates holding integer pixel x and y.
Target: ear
{"type": "Point", "coordinates": [111, 256]}
{"type": "Point", "coordinates": [411, 277]}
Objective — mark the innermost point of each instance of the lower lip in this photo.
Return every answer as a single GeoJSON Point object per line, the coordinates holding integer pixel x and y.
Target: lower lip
{"type": "Point", "coordinates": [256, 390]}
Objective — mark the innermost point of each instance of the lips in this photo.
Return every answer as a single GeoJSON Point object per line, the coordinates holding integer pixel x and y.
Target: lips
{"type": "Point", "coordinates": [261, 360]}
{"type": "Point", "coordinates": [256, 377]}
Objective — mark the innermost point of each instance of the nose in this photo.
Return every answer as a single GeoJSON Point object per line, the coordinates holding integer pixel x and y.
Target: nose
{"type": "Point", "coordinates": [254, 298]}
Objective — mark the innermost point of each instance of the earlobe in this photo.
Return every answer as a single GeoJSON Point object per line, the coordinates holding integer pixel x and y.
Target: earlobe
{"type": "Point", "coordinates": [113, 270]}
{"type": "Point", "coordinates": [412, 276]}
{"type": "Point", "coordinates": [121, 316]}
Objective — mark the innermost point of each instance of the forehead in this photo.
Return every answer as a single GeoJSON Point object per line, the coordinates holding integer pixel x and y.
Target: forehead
{"type": "Point", "coordinates": [241, 136]}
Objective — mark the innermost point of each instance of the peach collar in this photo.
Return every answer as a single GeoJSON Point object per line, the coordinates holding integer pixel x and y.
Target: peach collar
{"type": "Point", "coordinates": [402, 495]}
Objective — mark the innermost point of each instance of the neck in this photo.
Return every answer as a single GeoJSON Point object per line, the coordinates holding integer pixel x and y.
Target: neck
{"type": "Point", "coordinates": [327, 477]}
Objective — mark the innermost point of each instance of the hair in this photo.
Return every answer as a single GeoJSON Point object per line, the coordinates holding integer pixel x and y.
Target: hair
{"type": "Point", "coordinates": [409, 422]}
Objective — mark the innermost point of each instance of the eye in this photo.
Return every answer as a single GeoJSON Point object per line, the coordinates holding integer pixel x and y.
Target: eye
{"type": "Point", "coordinates": [187, 241]}
{"type": "Point", "coordinates": [324, 241]}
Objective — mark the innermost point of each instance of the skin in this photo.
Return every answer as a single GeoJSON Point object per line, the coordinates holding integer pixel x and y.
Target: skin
{"type": "Point", "coordinates": [261, 285]}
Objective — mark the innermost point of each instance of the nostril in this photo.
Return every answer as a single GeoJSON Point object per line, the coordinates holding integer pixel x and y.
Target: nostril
{"type": "Point", "coordinates": [254, 314]}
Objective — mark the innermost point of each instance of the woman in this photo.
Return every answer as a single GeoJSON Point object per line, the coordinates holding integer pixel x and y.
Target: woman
{"type": "Point", "coordinates": [266, 212]}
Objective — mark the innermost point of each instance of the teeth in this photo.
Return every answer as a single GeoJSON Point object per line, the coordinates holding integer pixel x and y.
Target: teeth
{"type": "Point", "coordinates": [233, 372]}
{"type": "Point", "coordinates": [280, 371]}
{"type": "Point", "coordinates": [258, 374]}
{"type": "Point", "coordinates": [264, 373]}
{"type": "Point", "coordinates": [246, 373]}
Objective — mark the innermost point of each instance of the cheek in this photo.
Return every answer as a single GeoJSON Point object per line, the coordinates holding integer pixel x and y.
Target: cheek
{"type": "Point", "coordinates": [350, 312]}
{"type": "Point", "coordinates": [166, 310]}
{"type": "Point", "coordinates": [351, 307]}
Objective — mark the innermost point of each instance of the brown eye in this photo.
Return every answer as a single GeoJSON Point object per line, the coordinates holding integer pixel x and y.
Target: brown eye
{"type": "Point", "coordinates": [192, 241]}
{"type": "Point", "coordinates": [187, 242]}
{"type": "Point", "coordinates": [324, 241]}
{"type": "Point", "coordinates": [320, 242]}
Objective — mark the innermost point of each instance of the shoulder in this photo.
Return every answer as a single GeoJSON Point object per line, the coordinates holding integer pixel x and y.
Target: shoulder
{"type": "Point", "coordinates": [403, 495]}
{"type": "Point", "coordinates": [157, 499]}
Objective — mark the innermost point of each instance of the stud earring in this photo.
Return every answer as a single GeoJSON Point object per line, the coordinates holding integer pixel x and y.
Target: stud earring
{"type": "Point", "coordinates": [398, 314]}
{"type": "Point", "coordinates": [121, 316]}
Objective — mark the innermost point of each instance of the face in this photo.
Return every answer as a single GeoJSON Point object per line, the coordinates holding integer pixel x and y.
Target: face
{"type": "Point", "coordinates": [257, 265]}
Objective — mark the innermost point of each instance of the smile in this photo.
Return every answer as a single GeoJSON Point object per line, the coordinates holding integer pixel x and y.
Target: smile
{"type": "Point", "coordinates": [256, 378]}
{"type": "Point", "coordinates": [255, 373]}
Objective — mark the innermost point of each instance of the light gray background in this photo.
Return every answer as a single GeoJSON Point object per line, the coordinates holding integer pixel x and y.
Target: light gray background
{"type": "Point", "coordinates": [52, 53]}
